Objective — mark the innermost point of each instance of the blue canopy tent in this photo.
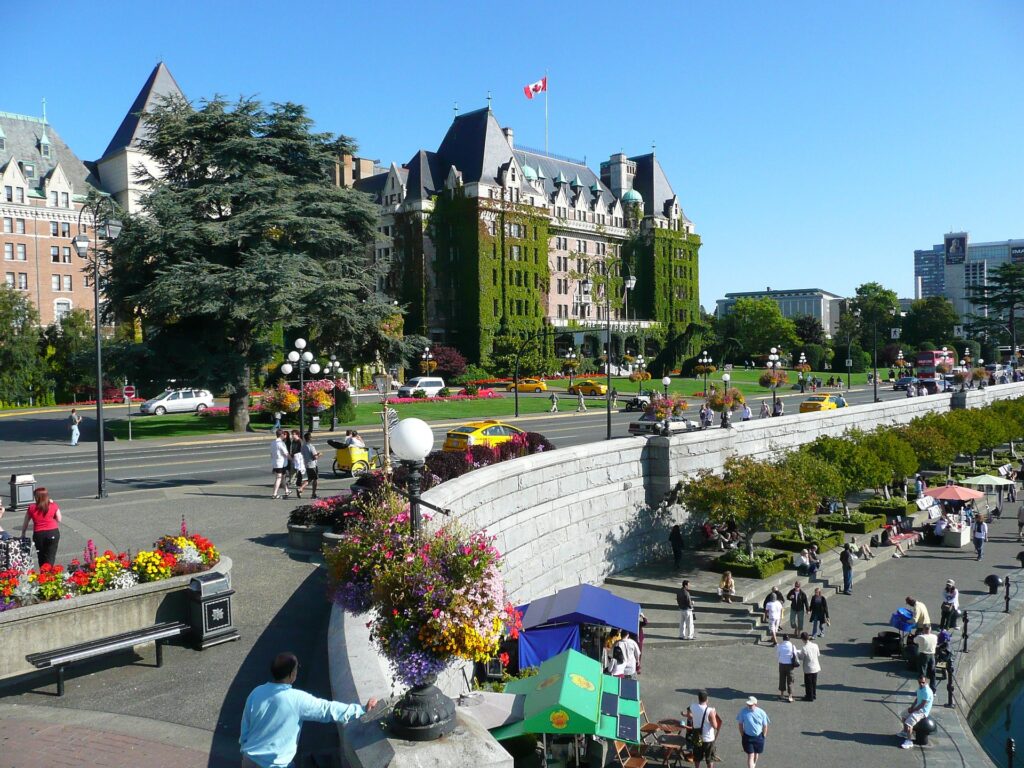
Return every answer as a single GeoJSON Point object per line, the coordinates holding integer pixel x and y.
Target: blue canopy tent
{"type": "Point", "coordinates": [552, 624]}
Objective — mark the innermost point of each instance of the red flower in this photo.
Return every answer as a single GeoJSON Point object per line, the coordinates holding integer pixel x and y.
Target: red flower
{"type": "Point", "coordinates": [503, 658]}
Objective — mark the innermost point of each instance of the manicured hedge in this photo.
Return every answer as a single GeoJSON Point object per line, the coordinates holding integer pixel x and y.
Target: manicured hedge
{"type": "Point", "coordinates": [888, 507]}
{"type": "Point", "coordinates": [760, 569]}
{"type": "Point", "coordinates": [790, 540]}
{"type": "Point", "coordinates": [858, 522]}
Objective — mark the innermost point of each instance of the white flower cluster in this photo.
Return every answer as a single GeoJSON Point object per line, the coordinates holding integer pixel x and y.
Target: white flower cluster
{"type": "Point", "coordinates": [124, 580]}
{"type": "Point", "coordinates": [190, 556]}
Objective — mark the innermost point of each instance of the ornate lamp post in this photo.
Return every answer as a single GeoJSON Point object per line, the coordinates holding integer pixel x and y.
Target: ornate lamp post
{"type": "Point", "coordinates": [665, 382]}
{"type": "Point", "coordinates": [640, 368]}
{"type": "Point", "coordinates": [774, 364]}
{"type": "Point", "coordinates": [705, 361]}
{"type": "Point", "coordinates": [570, 358]}
{"type": "Point", "coordinates": [628, 284]}
{"type": "Point", "coordinates": [427, 363]}
{"type": "Point", "coordinates": [102, 210]}
{"type": "Point", "coordinates": [301, 359]}
{"type": "Point", "coordinates": [334, 371]}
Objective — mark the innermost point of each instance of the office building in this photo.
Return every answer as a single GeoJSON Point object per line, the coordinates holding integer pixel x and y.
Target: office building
{"type": "Point", "coordinates": [821, 305]}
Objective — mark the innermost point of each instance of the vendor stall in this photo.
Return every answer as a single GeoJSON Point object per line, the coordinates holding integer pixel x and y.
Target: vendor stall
{"type": "Point", "coordinates": [553, 624]}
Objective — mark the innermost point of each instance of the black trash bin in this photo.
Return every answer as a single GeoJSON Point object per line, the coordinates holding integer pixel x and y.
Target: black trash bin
{"type": "Point", "coordinates": [210, 609]}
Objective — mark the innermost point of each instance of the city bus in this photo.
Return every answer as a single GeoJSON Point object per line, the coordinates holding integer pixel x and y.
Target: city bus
{"type": "Point", "coordinates": [926, 363]}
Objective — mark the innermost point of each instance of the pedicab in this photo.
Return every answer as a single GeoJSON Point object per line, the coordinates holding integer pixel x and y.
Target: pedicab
{"type": "Point", "coordinates": [354, 460]}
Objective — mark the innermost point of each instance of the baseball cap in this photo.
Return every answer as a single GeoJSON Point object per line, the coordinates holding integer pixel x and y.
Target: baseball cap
{"type": "Point", "coordinates": [752, 701]}
{"type": "Point", "coordinates": [950, 583]}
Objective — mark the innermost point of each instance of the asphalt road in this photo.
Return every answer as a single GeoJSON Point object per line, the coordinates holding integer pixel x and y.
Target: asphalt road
{"type": "Point", "coordinates": [36, 443]}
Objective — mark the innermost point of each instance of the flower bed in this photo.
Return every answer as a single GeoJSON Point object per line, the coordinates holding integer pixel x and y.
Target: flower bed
{"type": "Point", "coordinates": [764, 563]}
{"type": "Point", "coordinates": [179, 555]}
{"type": "Point", "coordinates": [857, 522]}
{"type": "Point", "coordinates": [223, 410]}
{"type": "Point", "coordinates": [435, 598]}
{"type": "Point", "coordinates": [483, 394]}
{"type": "Point", "coordinates": [790, 540]}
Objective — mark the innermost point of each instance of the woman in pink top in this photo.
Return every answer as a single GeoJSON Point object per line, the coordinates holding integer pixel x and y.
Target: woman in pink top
{"type": "Point", "coordinates": [45, 517]}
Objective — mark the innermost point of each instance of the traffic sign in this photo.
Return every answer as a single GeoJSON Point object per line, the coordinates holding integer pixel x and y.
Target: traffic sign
{"type": "Point", "coordinates": [849, 363]}
{"type": "Point", "coordinates": [128, 392]}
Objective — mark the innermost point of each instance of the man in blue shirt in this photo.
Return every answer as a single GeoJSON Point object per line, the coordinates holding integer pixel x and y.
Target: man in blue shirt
{"type": "Point", "coordinates": [274, 713]}
{"type": "Point", "coordinates": [753, 724]}
{"type": "Point", "coordinates": [918, 711]}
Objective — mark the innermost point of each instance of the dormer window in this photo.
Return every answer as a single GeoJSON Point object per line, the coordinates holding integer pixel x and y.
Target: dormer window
{"type": "Point", "coordinates": [3, 144]}
{"type": "Point", "coordinates": [29, 170]}
{"type": "Point", "coordinates": [44, 149]}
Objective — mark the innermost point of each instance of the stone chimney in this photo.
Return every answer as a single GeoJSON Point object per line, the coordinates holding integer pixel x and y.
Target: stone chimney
{"type": "Point", "coordinates": [509, 136]}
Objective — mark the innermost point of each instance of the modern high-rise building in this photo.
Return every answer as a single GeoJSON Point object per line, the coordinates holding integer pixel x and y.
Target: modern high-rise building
{"type": "Point", "coordinates": [962, 264]}
{"type": "Point", "coordinates": [795, 302]}
{"type": "Point", "coordinates": [487, 238]}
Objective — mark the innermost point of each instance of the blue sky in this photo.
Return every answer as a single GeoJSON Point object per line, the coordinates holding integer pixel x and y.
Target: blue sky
{"type": "Point", "coordinates": [812, 143]}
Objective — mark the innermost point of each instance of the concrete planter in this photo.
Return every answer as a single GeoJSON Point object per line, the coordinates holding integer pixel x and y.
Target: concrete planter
{"type": "Point", "coordinates": [45, 626]}
{"type": "Point", "coordinates": [331, 539]}
{"type": "Point", "coordinates": [307, 538]}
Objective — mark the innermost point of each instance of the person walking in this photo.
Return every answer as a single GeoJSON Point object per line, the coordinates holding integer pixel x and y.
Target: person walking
{"type": "Point", "coordinates": [810, 660]}
{"type": "Point", "coordinates": [631, 652]}
{"type": "Point", "coordinates": [926, 644]}
{"type": "Point", "coordinates": [280, 461]}
{"type": "Point", "coordinates": [778, 409]}
{"type": "Point", "coordinates": [278, 415]}
{"type": "Point", "coordinates": [916, 712]}
{"type": "Point", "coordinates": [298, 463]}
{"type": "Point", "coordinates": [554, 403]}
{"type": "Point", "coordinates": [74, 421]}
{"type": "Point", "coordinates": [753, 725]}
{"type": "Point", "coordinates": [675, 538]}
{"type": "Point", "coordinates": [950, 609]}
{"type": "Point", "coordinates": [773, 614]}
{"type": "Point", "coordinates": [819, 613]}
{"type": "Point", "coordinates": [785, 654]}
{"type": "Point", "coordinates": [44, 514]}
{"type": "Point", "coordinates": [1020, 523]}
{"type": "Point", "coordinates": [274, 713]}
{"type": "Point", "coordinates": [766, 412]}
{"type": "Point", "coordinates": [705, 727]}
{"type": "Point", "coordinates": [980, 535]}
{"type": "Point", "coordinates": [846, 559]}
{"type": "Point", "coordinates": [747, 414]}
{"type": "Point", "coordinates": [581, 407]}
{"type": "Point", "coordinates": [685, 603]}
{"type": "Point", "coordinates": [310, 455]}
{"type": "Point", "coordinates": [614, 395]}
{"type": "Point", "coordinates": [797, 607]}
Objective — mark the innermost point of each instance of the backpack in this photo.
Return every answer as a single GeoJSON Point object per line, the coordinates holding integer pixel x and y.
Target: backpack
{"type": "Point", "coordinates": [618, 655]}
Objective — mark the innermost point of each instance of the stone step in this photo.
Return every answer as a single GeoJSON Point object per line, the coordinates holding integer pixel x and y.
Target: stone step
{"type": "Point", "coordinates": [738, 626]}
{"type": "Point", "coordinates": [705, 639]}
{"type": "Point", "coordinates": [662, 587]}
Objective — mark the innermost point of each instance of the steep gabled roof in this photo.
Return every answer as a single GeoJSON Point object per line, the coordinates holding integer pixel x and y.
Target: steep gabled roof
{"type": "Point", "coordinates": [21, 143]}
{"type": "Point", "coordinates": [552, 168]}
{"type": "Point", "coordinates": [476, 145]}
{"type": "Point", "coordinates": [160, 85]}
{"type": "Point", "coordinates": [426, 175]}
{"type": "Point", "coordinates": [652, 184]}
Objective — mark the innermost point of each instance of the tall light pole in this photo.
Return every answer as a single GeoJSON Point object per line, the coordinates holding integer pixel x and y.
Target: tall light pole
{"type": "Point", "coordinates": [774, 363]}
{"type": "Point", "coordinates": [570, 359]}
{"type": "Point", "coordinates": [102, 210]}
{"type": "Point", "coordinates": [640, 368]}
{"type": "Point", "coordinates": [334, 370]}
{"type": "Point", "coordinates": [665, 382]}
{"type": "Point", "coordinates": [705, 361]}
{"type": "Point", "coordinates": [301, 359]}
{"type": "Point", "coordinates": [628, 284]}
{"type": "Point", "coordinates": [427, 361]}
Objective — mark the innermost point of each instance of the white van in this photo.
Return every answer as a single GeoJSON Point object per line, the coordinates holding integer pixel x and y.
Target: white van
{"type": "Point", "coordinates": [429, 384]}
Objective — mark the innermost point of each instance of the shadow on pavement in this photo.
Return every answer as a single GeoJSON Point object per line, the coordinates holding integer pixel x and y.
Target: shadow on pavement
{"type": "Point", "coordinates": [142, 484]}
{"type": "Point", "coordinates": [875, 739]}
{"type": "Point", "coordinates": [300, 626]}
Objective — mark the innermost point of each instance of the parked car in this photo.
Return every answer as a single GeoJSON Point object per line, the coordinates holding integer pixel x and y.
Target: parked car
{"type": "Point", "coordinates": [638, 402]}
{"type": "Point", "coordinates": [489, 432]}
{"type": "Point", "coordinates": [905, 381]}
{"type": "Point", "coordinates": [430, 385]}
{"type": "Point", "coordinates": [528, 385]}
{"type": "Point", "coordinates": [178, 401]}
{"type": "Point", "coordinates": [648, 424]}
{"type": "Point", "coordinates": [588, 387]}
{"type": "Point", "coordinates": [820, 403]}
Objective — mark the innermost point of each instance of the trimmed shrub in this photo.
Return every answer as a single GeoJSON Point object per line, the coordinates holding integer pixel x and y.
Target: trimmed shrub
{"type": "Point", "coordinates": [790, 540]}
{"type": "Point", "coordinates": [858, 522]}
{"type": "Point", "coordinates": [888, 507]}
{"type": "Point", "coordinates": [765, 563]}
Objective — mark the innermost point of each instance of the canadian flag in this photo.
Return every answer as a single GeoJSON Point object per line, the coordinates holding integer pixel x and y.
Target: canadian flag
{"type": "Point", "coordinates": [539, 87]}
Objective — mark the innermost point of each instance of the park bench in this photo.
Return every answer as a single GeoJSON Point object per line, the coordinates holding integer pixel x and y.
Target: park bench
{"type": "Point", "coordinates": [61, 658]}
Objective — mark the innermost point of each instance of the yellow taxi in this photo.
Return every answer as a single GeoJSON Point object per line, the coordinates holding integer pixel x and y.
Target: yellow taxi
{"type": "Point", "coordinates": [528, 385]}
{"type": "Point", "coordinates": [488, 432]}
{"type": "Point", "coordinates": [821, 403]}
{"type": "Point", "coordinates": [588, 387]}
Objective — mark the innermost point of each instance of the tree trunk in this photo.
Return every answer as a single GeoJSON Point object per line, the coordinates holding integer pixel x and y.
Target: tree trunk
{"type": "Point", "coordinates": [238, 403]}
{"type": "Point", "coordinates": [749, 542]}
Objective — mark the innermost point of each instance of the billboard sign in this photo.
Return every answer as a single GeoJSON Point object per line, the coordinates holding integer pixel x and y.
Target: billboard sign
{"type": "Point", "coordinates": [956, 248]}
{"type": "Point", "coordinates": [1017, 254]}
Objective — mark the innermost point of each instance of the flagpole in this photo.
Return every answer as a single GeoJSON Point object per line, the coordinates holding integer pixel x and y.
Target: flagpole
{"type": "Point", "coordinates": [546, 89]}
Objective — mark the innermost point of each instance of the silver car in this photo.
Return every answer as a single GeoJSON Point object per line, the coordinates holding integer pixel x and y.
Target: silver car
{"type": "Point", "coordinates": [178, 401]}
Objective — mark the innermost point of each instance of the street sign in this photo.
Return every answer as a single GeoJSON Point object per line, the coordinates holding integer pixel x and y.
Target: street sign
{"type": "Point", "coordinates": [849, 363]}
{"type": "Point", "coordinates": [129, 392]}
{"type": "Point", "coordinates": [958, 331]}
{"type": "Point", "coordinates": [895, 332]}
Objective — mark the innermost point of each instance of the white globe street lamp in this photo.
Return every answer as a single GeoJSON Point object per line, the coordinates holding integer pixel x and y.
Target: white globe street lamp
{"type": "Point", "coordinates": [412, 440]}
{"type": "Point", "coordinates": [665, 382]}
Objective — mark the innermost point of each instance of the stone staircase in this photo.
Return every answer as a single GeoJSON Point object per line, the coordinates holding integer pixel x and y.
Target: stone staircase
{"type": "Point", "coordinates": [654, 587]}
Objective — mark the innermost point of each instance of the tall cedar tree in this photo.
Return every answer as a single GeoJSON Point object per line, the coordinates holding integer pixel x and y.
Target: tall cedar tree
{"type": "Point", "coordinates": [999, 302]}
{"type": "Point", "coordinates": [21, 366]}
{"type": "Point", "coordinates": [241, 230]}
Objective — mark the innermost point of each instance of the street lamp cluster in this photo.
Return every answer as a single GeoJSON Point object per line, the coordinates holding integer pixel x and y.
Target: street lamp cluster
{"type": "Point", "coordinates": [705, 361]}
{"type": "Point", "coordinates": [774, 363]}
{"type": "Point", "coordinates": [301, 359]}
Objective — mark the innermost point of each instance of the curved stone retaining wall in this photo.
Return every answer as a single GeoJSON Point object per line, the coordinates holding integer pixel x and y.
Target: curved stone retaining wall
{"type": "Point", "coordinates": [45, 626]}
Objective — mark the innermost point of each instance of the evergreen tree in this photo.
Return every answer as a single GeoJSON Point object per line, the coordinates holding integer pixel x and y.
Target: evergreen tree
{"type": "Point", "coordinates": [999, 301]}
{"type": "Point", "coordinates": [241, 231]}
{"type": "Point", "coordinates": [71, 353]}
{"type": "Point", "coordinates": [22, 372]}
{"type": "Point", "coordinates": [809, 330]}
{"type": "Point", "coordinates": [931, 319]}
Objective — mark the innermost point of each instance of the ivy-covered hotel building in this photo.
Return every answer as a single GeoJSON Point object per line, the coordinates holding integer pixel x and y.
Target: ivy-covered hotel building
{"type": "Point", "coordinates": [488, 239]}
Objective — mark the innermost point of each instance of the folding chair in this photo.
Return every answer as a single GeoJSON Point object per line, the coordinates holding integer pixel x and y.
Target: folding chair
{"type": "Point", "coordinates": [627, 760]}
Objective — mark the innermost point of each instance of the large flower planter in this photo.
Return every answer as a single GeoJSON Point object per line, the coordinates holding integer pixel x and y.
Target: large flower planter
{"type": "Point", "coordinates": [44, 626]}
{"type": "Point", "coordinates": [306, 538]}
{"type": "Point", "coordinates": [330, 539]}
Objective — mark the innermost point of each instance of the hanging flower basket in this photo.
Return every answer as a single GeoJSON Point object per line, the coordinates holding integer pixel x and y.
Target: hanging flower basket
{"type": "Point", "coordinates": [729, 400]}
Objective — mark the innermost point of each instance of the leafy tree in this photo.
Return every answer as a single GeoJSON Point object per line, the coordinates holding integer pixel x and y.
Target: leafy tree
{"type": "Point", "coordinates": [758, 495]}
{"type": "Point", "coordinates": [758, 325]}
{"type": "Point", "coordinates": [930, 445]}
{"type": "Point", "coordinates": [809, 330]}
{"type": "Point", "coordinates": [895, 453]}
{"type": "Point", "coordinates": [450, 362]}
{"type": "Point", "coordinates": [676, 348]}
{"type": "Point", "coordinates": [931, 319]}
{"type": "Point", "coordinates": [241, 232]}
{"type": "Point", "coordinates": [816, 356]}
{"type": "Point", "coordinates": [818, 473]}
{"type": "Point", "coordinates": [72, 353]}
{"type": "Point", "coordinates": [532, 357]}
{"type": "Point", "coordinates": [858, 466]}
{"type": "Point", "coordinates": [22, 372]}
{"type": "Point", "coordinates": [999, 299]}
{"type": "Point", "coordinates": [879, 311]}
